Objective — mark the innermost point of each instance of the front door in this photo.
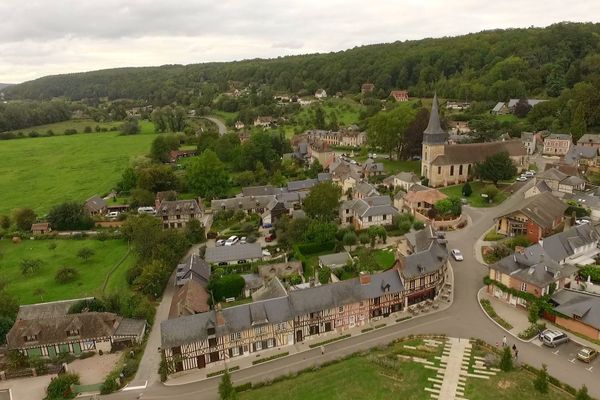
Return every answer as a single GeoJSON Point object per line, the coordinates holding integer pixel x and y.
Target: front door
{"type": "Point", "coordinates": [298, 336]}
{"type": "Point", "coordinates": [201, 361]}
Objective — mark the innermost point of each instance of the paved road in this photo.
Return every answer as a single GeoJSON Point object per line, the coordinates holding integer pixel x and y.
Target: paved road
{"type": "Point", "coordinates": [463, 319]}
{"type": "Point", "coordinates": [219, 122]}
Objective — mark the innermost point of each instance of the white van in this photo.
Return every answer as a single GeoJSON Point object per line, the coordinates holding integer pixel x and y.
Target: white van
{"type": "Point", "coordinates": [113, 214]}
{"type": "Point", "coordinates": [232, 240]}
{"type": "Point", "coordinates": [146, 210]}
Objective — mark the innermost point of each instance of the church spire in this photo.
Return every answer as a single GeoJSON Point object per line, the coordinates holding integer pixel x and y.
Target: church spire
{"type": "Point", "coordinates": [434, 134]}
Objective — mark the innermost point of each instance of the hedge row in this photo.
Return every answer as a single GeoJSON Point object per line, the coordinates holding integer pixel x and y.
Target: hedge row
{"type": "Point", "coordinates": [273, 357]}
{"type": "Point", "coordinates": [221, 372]}
{"type": "Point", "coordinates": [335, 339]}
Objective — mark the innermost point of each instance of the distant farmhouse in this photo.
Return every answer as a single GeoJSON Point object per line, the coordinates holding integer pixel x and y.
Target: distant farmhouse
{"type": "Point", "coordinates": [502, 108]}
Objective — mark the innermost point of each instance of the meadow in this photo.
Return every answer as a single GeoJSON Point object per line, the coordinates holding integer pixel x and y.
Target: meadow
{"type": "Point", "coordinates": [41, 286]}
{"type": "Point", "coordinates": [40, 172]}
{"type": "Point", "coordinates": [59, 128]}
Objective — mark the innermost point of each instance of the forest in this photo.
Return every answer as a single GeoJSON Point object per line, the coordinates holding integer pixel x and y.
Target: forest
{"type": "Point", "coordinates": [490, 65]}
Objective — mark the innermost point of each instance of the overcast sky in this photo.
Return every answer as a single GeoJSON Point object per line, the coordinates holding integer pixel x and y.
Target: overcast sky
{"type": "Point", "coordinates": [43, 37]}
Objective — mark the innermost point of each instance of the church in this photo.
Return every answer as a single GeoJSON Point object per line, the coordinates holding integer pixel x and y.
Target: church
{"type": "Point", "coordinates": [446, 164]}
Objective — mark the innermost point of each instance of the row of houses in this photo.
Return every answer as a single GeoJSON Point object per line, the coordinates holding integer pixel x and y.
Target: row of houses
{"type": "Point", "coordinates": [295, 316]}
{"type": "Point", "coordinates": [351, 136]}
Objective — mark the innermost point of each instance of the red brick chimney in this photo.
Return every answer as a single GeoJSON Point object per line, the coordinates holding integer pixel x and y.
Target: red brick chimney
{"type": "Point", "coordinates": [365, 278]}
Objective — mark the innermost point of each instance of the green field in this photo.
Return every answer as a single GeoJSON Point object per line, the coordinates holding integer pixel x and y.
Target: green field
{"type": "Point", "coordinates": [41, 172]}
{"type": "Point", "coordinates": [475, 199]}
{"type": "Point", "coordinates": [58, 128]}
{"type": "Point", "coordinates": [92, 273]}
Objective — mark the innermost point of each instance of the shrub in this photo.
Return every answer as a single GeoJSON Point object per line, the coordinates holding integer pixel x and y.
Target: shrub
{"type": "Point", "coordinates": [87, 129]}
{"type": "Point", "coordinates": [226, 286]}
{"type": "Point", "coordinates": [418, 225]}
{"type": "Point", "coordinates": [34, 134]}
{"type": "Point", "coordinates": [324, 275]}
{"type": "Point", "coordinates": [541, 381]}
{"type": "Point", "coordinates": [520, 241]}
{"type": "Point", "coordinates": [506, 363]}
{"type": "Point", "coordinates": [85, 253]}
{"type": "Point", "coordinates": [66, 275]}
{"type": "Point", "coordinates": [60, 387]}
{"type": "Point", "coordinates": [592, 271]}
{"type": "Point", "coordinates": [110, 384]}
{"type": "Point", "coordinates": [467, 190]}
{"type": "Point", "coordinates": [70, 131]}
{"type": "Point", "coordinates": [29, 266]}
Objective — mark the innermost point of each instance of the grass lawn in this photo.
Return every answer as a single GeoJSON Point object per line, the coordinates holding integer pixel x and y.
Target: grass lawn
{"type": "Point", "coordinates": [41, 172]}
{"type": "Point", "coordinates": [368, 381]}
{"type": "Point", "coordinates": [59, 127]}
{"type": "Point", "coordinates": [517, 384]}
{"type": "Point", "coordinates": [92, 273]}
{"type": "Point", "coordinates": [384, 258]}
{"type": "Point", "coordinates": [475, 199]}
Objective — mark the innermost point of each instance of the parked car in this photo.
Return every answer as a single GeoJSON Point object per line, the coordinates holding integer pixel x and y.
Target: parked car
{"type": "Point", "coordinates": [529, 174]}
{"type": "Point", "coordinates": [113, 214]}
{"type": "Point", "coordinates": [270, 238]}
{"type": "Point", "coordinates": [146, 210]}
{"type": "Point", "coordinates": [587, 354]}
{"type": "Point", "coordinates": [521, 178]}
{"type": "Point", "coordinates": [457, 255]}
{"type": "Point", "coordinates": [232, 240]}
{"type": "Point", "coordinates": [374, 156]}
{"type": "Point", "coordinates": [581, 221]}
{"type": "Point", "coordinates": [553, 337]}
{"type": "Point", "coordinates": [220, 242]}
{"type": "Point", "coordinates": [266, 253]}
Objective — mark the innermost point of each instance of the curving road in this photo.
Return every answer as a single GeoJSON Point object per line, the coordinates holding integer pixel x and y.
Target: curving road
{"type": "Point", "coordinates": [463, 319]}
{"type": "Point", "coordinates": [219, 122]}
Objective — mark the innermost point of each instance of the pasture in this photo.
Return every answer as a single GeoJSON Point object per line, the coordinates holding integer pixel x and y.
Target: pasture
{"type": "Point", "coordinates": [44, 171]}
{"type": "Point", "coordinates": [41, 285]}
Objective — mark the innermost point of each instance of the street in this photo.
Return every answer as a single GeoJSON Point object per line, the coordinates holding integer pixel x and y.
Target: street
{"type": "Point", "coordinates": [463, 319]}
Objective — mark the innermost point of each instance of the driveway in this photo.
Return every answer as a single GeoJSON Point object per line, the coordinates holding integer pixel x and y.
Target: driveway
{"type": "Point", "coordinates": [463, 319]}
{"type": "Point", "coordinates": [33, 388]}
{"type": "Point", "coordinates": [93, 370]}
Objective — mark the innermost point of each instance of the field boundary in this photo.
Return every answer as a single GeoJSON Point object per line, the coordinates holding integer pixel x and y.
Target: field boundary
{"type": "Point", "coordinates": [113, 269]}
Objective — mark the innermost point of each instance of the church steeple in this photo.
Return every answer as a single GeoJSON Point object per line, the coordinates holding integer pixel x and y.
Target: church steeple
{"type": "Point", "coordinates": [434, 134]}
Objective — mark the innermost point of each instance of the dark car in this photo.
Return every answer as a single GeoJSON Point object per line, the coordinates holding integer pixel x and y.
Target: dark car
{"type": "Point", "coordinates": [270, 238]}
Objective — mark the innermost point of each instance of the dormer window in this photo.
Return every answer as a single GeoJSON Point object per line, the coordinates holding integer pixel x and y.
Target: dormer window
{"type": "Point", "coordinates": [30, 338]}
{"type": "Point", "coordinates": [210, 331]}
{"type": "Point", "coordinates": [73, 332]}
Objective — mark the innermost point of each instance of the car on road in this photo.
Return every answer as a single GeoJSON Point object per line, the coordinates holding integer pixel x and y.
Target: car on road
{"type": "Point", "coordinates": [521, 178]}
{"type": "Point", "coordinates": [232, 240]}
{"type": "Point", "coordinates": [457, 255]}
{"type": "Point", "coordinates": [587, 354]}
{"type": "Point", "coordinates": [243, 240]}
{"type": "Point", "coordinates": [220, 242]}
{"type": "Point", "coordinates": [553, 337]}
{"type": "Point", "coordinates": [529, 174]}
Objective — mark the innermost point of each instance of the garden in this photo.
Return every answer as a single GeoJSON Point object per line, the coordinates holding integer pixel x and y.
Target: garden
{"type": "Point", "coordinates": [481, 194]}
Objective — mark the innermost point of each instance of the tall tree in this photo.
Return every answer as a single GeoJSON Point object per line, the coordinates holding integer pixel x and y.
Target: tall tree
{"type": "Point", "coordinates": [24, 218]}
{"type": "Point", "coordinates": [69, 216]}
{"type": "Point", "coordinates": [323, 201]}
{"type": "Point", "coordinates": [226, 389]}
{"type": "Point", "coordinates": [207, 176]}
{"type": "Point", "coordinates": [495, 168]}
{"type": "Point", "coordinates": [387, 130]}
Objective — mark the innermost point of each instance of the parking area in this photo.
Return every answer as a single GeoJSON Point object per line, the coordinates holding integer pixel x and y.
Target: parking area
{"type": "Point", "coordinates": [568, 353]}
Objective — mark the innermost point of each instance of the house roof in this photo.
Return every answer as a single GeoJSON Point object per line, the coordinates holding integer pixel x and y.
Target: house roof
{"type": "Point", "coordinates": [366, 189]}
{"type": "Point", "coordinates": [552, 174]}
{"type": "Point", "coordinates": [559, 136]}
{"type": "Point", "coordinates": [528, 136]}
{"type": "Point", "coordinates": [272, 289]}
{"type": "Point", "coordinates": [95, 203]}
{"type": "Point", "coordinates": [40, 226]}
{"type": "Point", "coordinates": [50, 309]}
{"type": "Point", "coordinates": [543, 209]}
{"type": "Point", "coordinates": [175, 207]}
{"type": "Point", "coordinates": [336, 259]}
{"type": "Point", "coordinates": [430, 254]}
{"type": "Point", "coordinates": [266, 190]}
{"type": "Point", "coordinates": [573, 181]}
{"type": "Point", "coordinates": [193, 267]}
{"type": "Point", "coordinates": [130, 327]}
{"type": "Point", "coordinates": [301, 185]}
{"type": "Point", "coordinates": [409, 177]}
{"type": "Point", "coordinates": [281, 270]}
{"type": "Point", "coordinates": [370, 206]}
{"type": "Point", "coordinates": [243, 203]}
{"type": "Point", "coordinates": [430, 196]}
{"type": "Point", "coordinates": [191, 298]}
{"type": "Point", "coordinates": [498, 106]}
{"type": "Point", "coordinates": [577, 152]}
{"type": "Point", "coordinates": [583, 306]}
{"type": "Point", "coordinates": [54, 330]}
{"type": "Point", "coordinates": [240, 251]}
{"type": "Point", "coordinates": [468, 153]}
{"type": "Point", "coordinates": [563, 244]}
{"type": "Point", "coordinates": [589, 138]}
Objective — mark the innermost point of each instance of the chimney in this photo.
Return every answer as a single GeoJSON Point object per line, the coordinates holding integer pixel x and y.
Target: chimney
{"type": "Point", "coordinates": [364, 278]}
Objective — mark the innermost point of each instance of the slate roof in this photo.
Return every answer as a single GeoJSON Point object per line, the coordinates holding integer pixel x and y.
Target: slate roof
{"type": "Point", "coordinates": [366, 189]}
{"type": "Point", "coordinates": [531, 102]}
{"type": "Point", "coordinates": [583, 306]}
{"type": "Point", "coordinates": [51, 309]}
{"type": "Point", "coordinates": [552, 174]}
{"type": "Point", "coordinates": [272, 289]}
{"type": "Point", "coordinates": [241, 203]}
{"type": "Point", "coordinates": [589, 138]}
{"type": "Point", "coordinates": [370, 206]}
{"type": "Point", "coordinates": [95, 203]}
{"type": "Point", "coordinates": [186, 207]}
{"type": "Point", "coordinates": [430, 254]}
{"type": "Point", "coordinates": [188, 329]}
{"type": "Point", "coordinates": [542, 209]}
{"type": "Point", "coordinates": [578, 152]}
{"type": "Point", "coordinates": [559, 136]}
{"type": "Point", "coordinates": [563, 244]}
{"type": "Point", "coordinates": [335, 260]}
{"type": "Point", "coordinates": [91, 325]}
{"type": "Point", "coordinates": [434, 134]}
{"type": "Point", "coordinates": [130, 328]}
{"type": "Point", "coordinates": [475, 152]}
{"type": "Point", "coordinates": [239, 251]}
{"type": "Point", "coordinates": [259, 190]}
{"type": "Point", "coordinates": [301, 185]}
{"type": "Point", "coordinates": [193, 267]}
{"type": "Point", "coordinates": [191, 298]}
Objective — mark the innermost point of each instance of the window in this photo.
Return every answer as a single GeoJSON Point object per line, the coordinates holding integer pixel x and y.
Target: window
{"type": "Point", "coordinates": [235, 351]}
{"type": "Point", "coordinates": [212, 342]}
{"type": "Point", "coordinates": [31, 338]}
{"type": "Point", "coordinates": [341, 309]}
{"type": "Point", "coordinates": [460, 170]}
{"type": "Point", "coordinates": [258, 345]}
{"type": "Point", "coordinates": [451, 170]}
{"type": "Point", "coordinates": [523, 286]}
{"type": "Point", "coordinates": [210, 331]}
{"type": "Point", "coordinates": [384, 217]}
{"type": "Point", "coordinates": [370, 218]}
{"type": "Point", "coordinates": [73, 332]}
{"type": "Point", "coordinates": [271, 342]}
{"type": "Point", "coordinates": [439, 170]}
{"type": "Point", "coordinates": [235, 336]}
{"type": "Point", "coordinates": [259, 330]}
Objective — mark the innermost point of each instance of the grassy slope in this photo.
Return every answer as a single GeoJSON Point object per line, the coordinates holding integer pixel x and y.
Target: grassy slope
{"type": "Point", "coordinates": [59, 127]}
{"type": "Point", "coordinates": [41, 172]}
{"type": "Point", "coordinates": [508, 386]}
{"type": "Point", "coordinates": [91, 273]}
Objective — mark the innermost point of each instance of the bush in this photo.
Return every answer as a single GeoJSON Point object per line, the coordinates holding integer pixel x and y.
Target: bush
{"type": "Point", "coordinates": [30, 266]}
{"type": "Point", "coordinates": [71, 131]}
{"type": "Point", "coordinates": [34, 134]}
{"type": "Point", "coordinates": [66, 275]}
{"type": "Point", "coordinates": [60, 387]}
{"type": "Point", "coordinates": [324, 275]}
{"type": "Point", "coordinates": [520, 241]}
{"type": "Point", "coordinates": [418, 225]}
{"type": "Point", "coordinates": [593, 271]}
{"type": "Point", "coordinates": [506, 363]}
{"type": "Point", "coordinates": [541, 381]}
{"type": "Point", "coordinates": [227, 286]}
{"type": "Point", "coordinates": [467, 190]}
{"type": "Point", "coordinates": [110, 384]}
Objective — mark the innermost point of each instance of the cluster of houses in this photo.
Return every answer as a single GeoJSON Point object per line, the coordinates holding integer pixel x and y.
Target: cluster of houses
{"type": "Point", "coordinates": [351, 136]}
{"type": "Point", "coordinates": [549, 267]}
{"type": "Point", "coordinates": [502, 108]}
{"type": "Point", "coordinates": [281, 317]}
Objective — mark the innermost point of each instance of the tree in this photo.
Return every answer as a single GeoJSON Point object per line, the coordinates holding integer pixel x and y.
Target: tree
{"type": "Point", "coordinates": [506, 362]}
{"type": "Point", "coordinates": [128, 180]}
{"type": "Point", "coordinates": [522, 108]}
{"type": "Point", "coordinates": [141, 197]}
{"type": "Point", "coordinates": [4, 222]}
{"type": "Point", "coordinates": [578, 124]}
{"type": "Point", "coordinates": [320, 118]}
{"type": "Point", "coordinates": [451, 207]}
{"type": "Point", "coordinates": [324, 275]}
{"type": "Point", "coordinates": [491, 192]}
{"type": "Point", "coordinates": [496, 167]}
{"type": "Point", "coordinates": [322, 201]}
{"type": "Point", "coordinates": [29, 266]}
{"type": "Point", "coordinates": [582, 394]}
{"type": "Point", "coordinates": [226, 389]}
{"type": "Point", "coordinates": [194, 231]}
{"type": "Point", "coordinates": [5, 324]}
{"type": "Point", "coordinates": [534, 312]}
{"type": "Point", "coordinates": [69, 216]}
{"type": "Point", "coordinates": [387, 129]}
{"type": "Point", "coordinates": [350, 238]}
{"type": "Point", "coordinates": [467, 190]}
{"type": "Point", "coordinates": [24, 218]}
{"type": "Point", "coordinates": [153, 278]}
{"type": "Point", "coordinates": [39, 292]}
{"type": "Point", "coordinates": [207, 176]}
{"type": "Point", "coordinates": [159, 151]}
{"type": "Point", "coordinates": [364, 238]}
{"type": "Point", "coordinates": [315, 169]}
{"type": "Point", "coordinates": [130, 127]}
{"type": "Point", "coordinates": [60, 386]}
{"type": "Point", "coordinates": [541, 381]}
{"type": "Point", "coordinates": [85, 253]}
{"type": "Point", "coordinates": [144, 233]}
{"type": "Point", "coordinates": [66, 275]}
{"type": "Point", "coordinates": [319, 231]}
{"type": "Point", "coordinates": [157, 178]}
